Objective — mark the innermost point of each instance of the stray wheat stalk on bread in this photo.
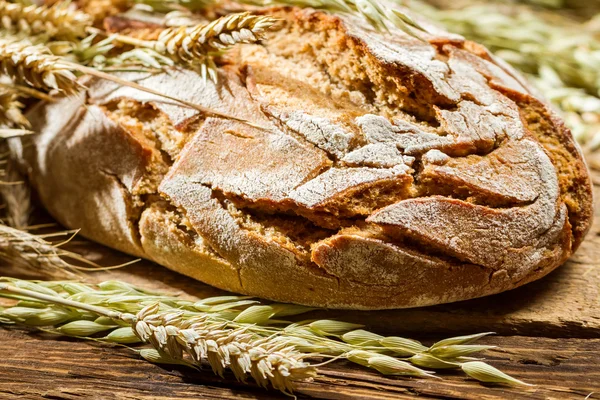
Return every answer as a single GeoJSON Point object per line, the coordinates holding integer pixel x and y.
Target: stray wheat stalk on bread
{"type": "Point", "coordinates": [36, 66]}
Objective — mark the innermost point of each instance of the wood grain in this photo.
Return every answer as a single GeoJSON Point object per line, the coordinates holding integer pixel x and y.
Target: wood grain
{"type": "Point", "coordinates": [41, 366]}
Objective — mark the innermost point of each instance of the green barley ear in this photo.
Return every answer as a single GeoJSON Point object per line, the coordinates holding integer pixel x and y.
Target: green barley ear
{"type": "Point", "coordinates": [486, 373]}
{"type": "Point", "coordinates": [84, 328]}
{"type": "Point", "coordinates": [331, 327]}
{"type": "Point", "coordinates": [240, 335]}
{"type": "Point", "coordinates": [402, 346]}
{"type": "Point", "coordinates": [458, 350]}
{"type": "Point", "coordinates": [428, 361]}
{"type": "Point", "coordinates": [459, 340]}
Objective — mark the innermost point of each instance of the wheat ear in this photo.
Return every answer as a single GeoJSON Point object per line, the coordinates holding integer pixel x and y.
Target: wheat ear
{"type": "Point", "coordinates": [35, 66]}
{"type": "Point", "coordinates": [267, 361]}
{"type": "Point", "coordinates": [10, 110]}
{"type": "Point", "coordinates": [189, 43]}
{"type": "Point", "coordinates": [58, 21]}
{"type": "Point", "coordinates": [194, 46]}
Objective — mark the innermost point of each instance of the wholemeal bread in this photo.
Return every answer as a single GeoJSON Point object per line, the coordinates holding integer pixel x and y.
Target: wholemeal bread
{"type": "Point", "coordinates": [380, 170]}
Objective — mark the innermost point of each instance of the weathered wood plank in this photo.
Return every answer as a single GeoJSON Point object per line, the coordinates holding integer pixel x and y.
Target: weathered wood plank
{"type": "Point", "coordinates": [36, 365]}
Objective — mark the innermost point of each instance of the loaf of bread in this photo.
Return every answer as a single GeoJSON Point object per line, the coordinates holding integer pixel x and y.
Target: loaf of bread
{"type": "Point", "coordinates": [379, 170]}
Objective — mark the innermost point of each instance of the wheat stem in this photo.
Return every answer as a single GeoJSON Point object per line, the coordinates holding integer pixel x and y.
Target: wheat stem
{"type": "Point", "coordinates": [103, 75]}
{"type": "Point", "coordinates": [9, 133]}
{"type": "Point", "coordinates": [67, 302]}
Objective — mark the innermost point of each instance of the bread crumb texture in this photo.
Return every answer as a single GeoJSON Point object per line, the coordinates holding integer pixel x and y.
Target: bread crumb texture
{"type": "Point", "coordinates": [385, 171]}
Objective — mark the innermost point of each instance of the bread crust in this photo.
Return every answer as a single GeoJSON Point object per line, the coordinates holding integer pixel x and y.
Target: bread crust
{"type": "Point", "coordinates": [390, 173]}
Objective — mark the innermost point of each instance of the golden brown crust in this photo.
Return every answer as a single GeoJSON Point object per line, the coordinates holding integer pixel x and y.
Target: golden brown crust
{"type": "Point", "coordinates": [389, 172]}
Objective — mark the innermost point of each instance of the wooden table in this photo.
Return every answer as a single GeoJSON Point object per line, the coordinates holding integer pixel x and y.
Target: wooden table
{"type": "Point", "coordinates": [548, 335]}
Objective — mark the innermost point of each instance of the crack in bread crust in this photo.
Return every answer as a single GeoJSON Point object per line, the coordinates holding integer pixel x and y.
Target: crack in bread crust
{"type": "Point", "coordinates": [426, 170]}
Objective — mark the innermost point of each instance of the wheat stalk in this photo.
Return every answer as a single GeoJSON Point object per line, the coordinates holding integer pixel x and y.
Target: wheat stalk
{"type": "Point", "coordinates": [185, 332]}
{"type": "Point", "coordinates": [58, 21]}
{"type": "Point", "coordinates": [31, 253]}
{"type": "Point", "coordinates": [17, 197]}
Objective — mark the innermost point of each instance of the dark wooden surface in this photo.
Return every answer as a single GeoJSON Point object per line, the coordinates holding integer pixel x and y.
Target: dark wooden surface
{"type": "Point", "coordinates": [35, 365]}
{"type": "Point", "coordinates": [549, 335]}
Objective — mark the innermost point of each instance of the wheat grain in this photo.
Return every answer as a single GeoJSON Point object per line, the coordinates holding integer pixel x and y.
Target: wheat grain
{"type": "Point", "coordinates": [58, 21]}
{"type": "Point", "coordinates": [265, 360]}
{"type": "Point", "coordinates": [187, 44]}
{"type": "Point", "coordinates": [195, 46]}
{"type": "Point", "coordinates": [34, 65]}
{"type": "Point", "coordinates": [100, 9]}
{"type": "Point", "coordinates": [10, 110]}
